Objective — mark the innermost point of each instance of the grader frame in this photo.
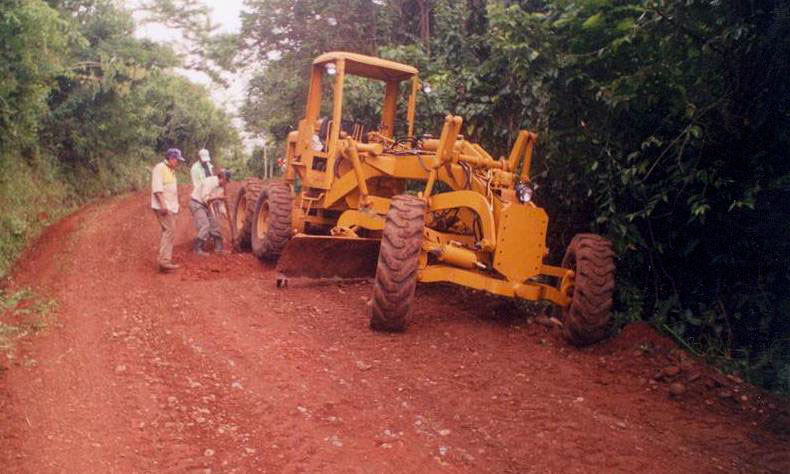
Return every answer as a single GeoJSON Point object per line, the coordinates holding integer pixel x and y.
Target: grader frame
{"type": "Point", "coordinates": [484, 233]}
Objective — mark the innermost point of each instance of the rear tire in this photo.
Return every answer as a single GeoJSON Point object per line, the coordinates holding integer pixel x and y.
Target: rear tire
{"type": "Point", "coordinates": [271, 224]}
{"type": "Point", "coordinates": [244, 211]}
{"type": "Point", "coordinates": [586, 319]}
{"type": "Point", "coordinates": [396, 271]}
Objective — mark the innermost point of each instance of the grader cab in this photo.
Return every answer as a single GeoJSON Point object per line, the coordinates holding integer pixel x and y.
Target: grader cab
{"type": "Point", "coordinates": [369, 205]}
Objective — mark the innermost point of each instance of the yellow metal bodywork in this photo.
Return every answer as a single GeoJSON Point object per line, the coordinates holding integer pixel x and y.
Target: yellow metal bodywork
{"type": "Point", "coordinates": [368, 66]}
{"type": "Point", "coordinates": [477, 235]}
{"type": "Point", "coordinates": [521, 241]}
{"type": "Point", "coordinates": [351, 219]}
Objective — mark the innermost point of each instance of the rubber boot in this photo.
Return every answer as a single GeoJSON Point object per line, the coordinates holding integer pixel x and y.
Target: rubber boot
{"type": "Point", "coordinates": [197, 247]}
{"type": "Point", "coordinates": [219, 248]}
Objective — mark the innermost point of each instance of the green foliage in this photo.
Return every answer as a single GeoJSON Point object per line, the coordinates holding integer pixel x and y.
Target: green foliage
{"type": "Point", "coordinates": [31, 313]}
{"type": "Point", "coordinates": [25, 302]}
{"type": "Point", "coordinates": [300, 29]}
{"type": "Point", "coordinates": [667, 130]}
{"type": "Point", "coordinates": [260, 159]}
{"type": "Point", "coordinates": [34, 41]}
{"type": "Point", "coordinates": [122, 105]}
{"type": "Point", "coordinates": [276, 88]}
{"type": "Point", "coordinates": [31, 196]}
{"type": "Point", "coordinates": [284, 36]}
{"type": "Point", "coordinates": [204, 49]}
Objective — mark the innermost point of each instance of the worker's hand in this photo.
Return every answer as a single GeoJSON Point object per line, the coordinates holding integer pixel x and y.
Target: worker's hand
{"type": "Point", "coordinates": [163, 212]}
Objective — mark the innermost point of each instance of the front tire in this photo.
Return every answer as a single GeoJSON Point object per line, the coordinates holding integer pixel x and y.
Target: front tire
{"type": "Point", "coordinates": [396, 271]}
{"type": "Point", "coordinates": [271, 224]}
{"type": "Point", "coordinates": [244, 211]}
{"type": "Point", "coordinates": [586, 319]}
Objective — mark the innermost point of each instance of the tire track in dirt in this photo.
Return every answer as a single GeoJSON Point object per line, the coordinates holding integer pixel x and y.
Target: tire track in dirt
{"type": "Point", "coordinates": [271, 361]}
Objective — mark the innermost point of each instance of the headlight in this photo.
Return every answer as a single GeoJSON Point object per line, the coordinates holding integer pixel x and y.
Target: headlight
{"type": "Point", "coordinates": [524, 192]}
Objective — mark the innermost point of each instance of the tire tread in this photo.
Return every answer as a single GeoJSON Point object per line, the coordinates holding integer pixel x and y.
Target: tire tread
{"type": "Point", "coordinates": [396, 271]}
{"type": "Point", "coordinates": [586, 319]}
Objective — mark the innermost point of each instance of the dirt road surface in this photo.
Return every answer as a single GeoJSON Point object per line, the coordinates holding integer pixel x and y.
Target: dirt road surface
{"type": "Point", "coordinates": [214, 369]}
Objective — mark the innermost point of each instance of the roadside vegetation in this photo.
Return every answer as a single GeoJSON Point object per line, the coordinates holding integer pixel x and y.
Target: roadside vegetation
{"type": "Point", "coordinates": [663, 125]}
{"type": "Point", "coordinates": [22, 312]}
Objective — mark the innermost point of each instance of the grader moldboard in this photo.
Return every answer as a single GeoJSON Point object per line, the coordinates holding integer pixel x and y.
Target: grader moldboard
{"type": "Point", "coordinates": [353, 218]}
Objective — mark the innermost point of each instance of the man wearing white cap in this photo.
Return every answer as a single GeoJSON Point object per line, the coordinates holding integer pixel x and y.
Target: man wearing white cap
{"type": "Point", "coordinates": [202, 168]}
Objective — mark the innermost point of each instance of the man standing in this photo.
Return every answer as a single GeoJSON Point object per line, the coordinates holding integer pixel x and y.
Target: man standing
{"type": "Point", "coordinates": [206, 224]}
{"type": "Point", "coordinates": [202, 168]}
{"type": "Point", "coordinates": [164, 202]}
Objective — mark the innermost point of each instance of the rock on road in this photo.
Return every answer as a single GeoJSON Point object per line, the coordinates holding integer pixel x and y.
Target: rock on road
{"type": "Point", "coordinates": [214, 369]}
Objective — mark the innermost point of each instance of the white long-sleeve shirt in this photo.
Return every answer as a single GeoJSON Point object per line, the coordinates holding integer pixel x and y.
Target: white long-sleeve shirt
{"type": "Point", "coordinates": [198, 172]}
{"type": "Point", "coordinates": [206, 189]}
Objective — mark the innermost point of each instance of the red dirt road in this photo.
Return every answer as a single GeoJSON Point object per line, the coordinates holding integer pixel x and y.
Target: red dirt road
{"type": "Point", "coordinates": [213, 369]}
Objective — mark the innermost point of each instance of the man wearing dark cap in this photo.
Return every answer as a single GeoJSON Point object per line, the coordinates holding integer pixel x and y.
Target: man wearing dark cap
{"type": "Point", "coordinates": [164, 202]}
{"type": "Point", "coordinates": [206, 224]}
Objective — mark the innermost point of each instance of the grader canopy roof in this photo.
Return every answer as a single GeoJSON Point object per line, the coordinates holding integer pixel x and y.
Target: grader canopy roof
{"type": "Point", "coordinates": [368, 66]}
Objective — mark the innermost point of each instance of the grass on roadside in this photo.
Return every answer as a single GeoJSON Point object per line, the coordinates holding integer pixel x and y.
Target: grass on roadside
{"type": "Point", "coordinates": [23, 312]}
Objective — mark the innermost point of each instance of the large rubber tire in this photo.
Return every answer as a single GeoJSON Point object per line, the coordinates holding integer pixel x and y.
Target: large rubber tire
{"type": "Point", "coordinates": [396, 271]}
{"type": "Point", "coordinates": [271, 224]}
{"type": "Point", "coordinates": [586, 319]}
{"type": "Point", "coordinates": [243, 212]}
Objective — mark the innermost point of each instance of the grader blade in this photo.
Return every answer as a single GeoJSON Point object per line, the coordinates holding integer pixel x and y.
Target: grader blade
{"type": "Point", "coordinates": [318, 256]}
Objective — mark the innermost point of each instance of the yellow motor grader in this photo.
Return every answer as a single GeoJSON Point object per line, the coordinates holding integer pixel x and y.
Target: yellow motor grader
{"type": "Point", "coordinates": [408, 209]}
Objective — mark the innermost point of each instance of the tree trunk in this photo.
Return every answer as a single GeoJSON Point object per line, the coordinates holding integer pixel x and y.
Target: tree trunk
{"type": "Point", "coordinates": [425, 23]}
